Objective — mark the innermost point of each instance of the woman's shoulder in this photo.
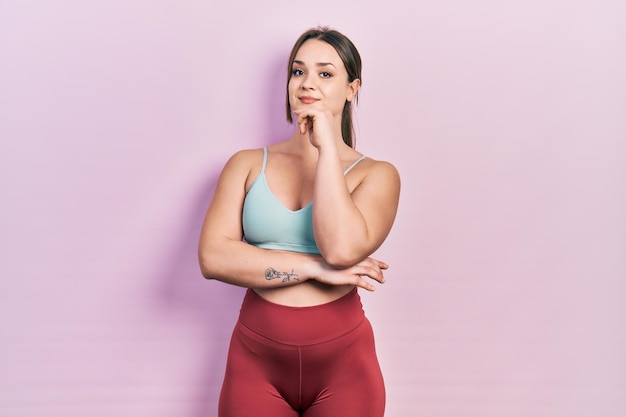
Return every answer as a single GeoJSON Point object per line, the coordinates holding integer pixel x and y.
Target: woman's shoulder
{"type": "Point", "coordinates": [379, 167]}
{"type": "Point", "coordinates": [245, 158]}
{"type": "Point", "coordinates": [242, 164]}
{"type": "Point", "coordinates": [251, 159]}
{"type": "Point", "coordinates": [246, 154]}
{"type": "Point", "coordinates": [378, 175]}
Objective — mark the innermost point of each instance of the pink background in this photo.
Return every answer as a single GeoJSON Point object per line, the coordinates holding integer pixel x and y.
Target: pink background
{"type": "Point", "coordinates": [507, 120]}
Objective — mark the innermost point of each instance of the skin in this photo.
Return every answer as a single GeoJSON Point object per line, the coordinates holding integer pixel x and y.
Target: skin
{"type": "Point", "coordinates": [352, 214]}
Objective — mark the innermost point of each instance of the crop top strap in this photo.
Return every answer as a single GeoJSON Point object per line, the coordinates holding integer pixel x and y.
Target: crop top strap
{"type": "Point", "coordinates": [344, 172]}
{"type": "Point", "coordinates": [264, 159]}
{"type": "Point", "coordinates": [353, 164]}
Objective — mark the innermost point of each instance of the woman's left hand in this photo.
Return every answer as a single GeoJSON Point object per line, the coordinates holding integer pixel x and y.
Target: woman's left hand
{"type": "Point", "coordinates": [318, 124]}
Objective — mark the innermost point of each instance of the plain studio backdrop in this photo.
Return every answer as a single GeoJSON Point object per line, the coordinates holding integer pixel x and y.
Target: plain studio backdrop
{"type": "Point", "coordinates": [506, 119]}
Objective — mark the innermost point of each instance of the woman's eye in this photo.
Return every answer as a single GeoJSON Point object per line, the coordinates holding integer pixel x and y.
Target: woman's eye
{"type": "Point", "coordinates": [326, 74]}
{"type": "Point", "coordinates": [297, 72]}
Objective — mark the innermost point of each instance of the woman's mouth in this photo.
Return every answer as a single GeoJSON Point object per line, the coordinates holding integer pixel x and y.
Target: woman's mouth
{"type": "Point", "coordinates": [308, 100]}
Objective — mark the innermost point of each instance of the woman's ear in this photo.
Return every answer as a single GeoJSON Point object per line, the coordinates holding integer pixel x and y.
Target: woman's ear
{"type": "Point", "coordinates": [353, 89]}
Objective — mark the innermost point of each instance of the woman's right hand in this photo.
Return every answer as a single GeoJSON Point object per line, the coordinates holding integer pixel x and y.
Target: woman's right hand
{"type": "Point", "coordinates": [355, 275]}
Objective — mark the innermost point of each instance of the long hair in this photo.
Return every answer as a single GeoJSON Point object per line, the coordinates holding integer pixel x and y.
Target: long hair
{"type": "Point", "coordinates": [351, 60]}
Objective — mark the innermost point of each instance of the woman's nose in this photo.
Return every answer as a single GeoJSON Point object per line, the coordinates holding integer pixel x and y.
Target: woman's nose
{"type": "Point", "coordinates": [307, 82]}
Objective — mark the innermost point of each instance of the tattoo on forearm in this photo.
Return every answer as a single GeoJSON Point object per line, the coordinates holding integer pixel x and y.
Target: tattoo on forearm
{"type": "Point", "coordinates": [271, 273]}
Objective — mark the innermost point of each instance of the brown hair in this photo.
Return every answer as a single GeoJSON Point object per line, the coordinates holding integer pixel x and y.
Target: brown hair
{"type": "Point", "coordinates": [351, 60]}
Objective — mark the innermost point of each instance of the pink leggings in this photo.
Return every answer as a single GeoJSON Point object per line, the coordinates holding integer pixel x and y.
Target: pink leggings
{"type": "Point", "coordinates": [315, 361]}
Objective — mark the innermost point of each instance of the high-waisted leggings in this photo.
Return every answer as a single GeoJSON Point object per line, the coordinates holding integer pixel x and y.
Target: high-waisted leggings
{"type": "Point", "coordinates": [317, 361]}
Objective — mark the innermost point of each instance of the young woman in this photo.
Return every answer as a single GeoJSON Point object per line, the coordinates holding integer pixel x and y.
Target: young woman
{"type": "Point", "coordinates": [296, 223]}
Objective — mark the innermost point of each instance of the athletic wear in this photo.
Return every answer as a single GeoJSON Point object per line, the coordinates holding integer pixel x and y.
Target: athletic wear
{"type": "Point", "coordinates": [268, 224]}
{"type": "Point", "coordinates": [315, 361]}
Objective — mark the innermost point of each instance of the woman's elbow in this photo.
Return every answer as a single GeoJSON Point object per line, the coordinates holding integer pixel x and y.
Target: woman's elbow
{"type": "Point", "coordinates": [206, 272]}
{"type": "Point", "coordinates": [206, 260]}
{"type": "Point", "coordinates": [341, 259]}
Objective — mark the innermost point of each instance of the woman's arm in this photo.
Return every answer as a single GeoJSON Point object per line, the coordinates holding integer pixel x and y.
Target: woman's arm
{"type": "Point", "coordinates": [222, 253]}
{"type": "Point", "coordinates": [350, 226]}
{"type": "Point", "coordinates": [225, 257]}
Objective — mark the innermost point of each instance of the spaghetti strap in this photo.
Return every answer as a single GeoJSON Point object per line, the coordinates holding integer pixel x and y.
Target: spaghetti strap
{"type": "Point", "coordinates": [264, 159]}
{"type": "Point", "coordinates": [354, 164]}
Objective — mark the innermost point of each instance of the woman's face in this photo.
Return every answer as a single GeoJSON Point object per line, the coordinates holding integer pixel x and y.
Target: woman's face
{"type": "Point", "coordinates": [319, 78]}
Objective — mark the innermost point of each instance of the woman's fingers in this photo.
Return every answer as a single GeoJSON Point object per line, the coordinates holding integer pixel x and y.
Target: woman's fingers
{"type": "Point", "coordinates": [372, 272]}
{"type": "Point", "coordinates": [304, 123]}
{"type": "Point", "coordinates": [379, 264]}
{"type": "Point", "coordinates": [310, 119]}
{"type": "Point", "coordinates": [364, 284]}
{"type": "Point", "coordinates": [372, 268]}
{"type": "Point", "coordinates": [359, 274]}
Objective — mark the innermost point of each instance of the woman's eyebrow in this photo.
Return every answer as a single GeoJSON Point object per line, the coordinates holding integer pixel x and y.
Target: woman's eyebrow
{"type": "Point", "coordinates": [318, 64]}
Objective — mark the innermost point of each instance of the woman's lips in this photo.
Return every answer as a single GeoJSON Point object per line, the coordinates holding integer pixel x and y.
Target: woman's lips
{"type": "Point", "coordinates": [308, 100]}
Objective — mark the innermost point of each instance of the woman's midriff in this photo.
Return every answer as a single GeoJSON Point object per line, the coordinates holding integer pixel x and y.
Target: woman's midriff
{"type": "Point", "coordinates": [300, 325]}
{"type": "Point", "coordinates": [309, 293]}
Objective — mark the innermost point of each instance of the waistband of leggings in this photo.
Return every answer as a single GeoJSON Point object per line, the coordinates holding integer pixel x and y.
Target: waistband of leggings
{"type": "Point", "coordinates": [301, 325]}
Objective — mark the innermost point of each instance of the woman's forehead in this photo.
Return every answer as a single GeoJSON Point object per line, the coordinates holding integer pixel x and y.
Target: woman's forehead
{"type": "Point", "coordinates": [314, 52]}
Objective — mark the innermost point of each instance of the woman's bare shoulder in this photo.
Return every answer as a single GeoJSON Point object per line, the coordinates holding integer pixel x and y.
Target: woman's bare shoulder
{"type": "Point", "coordinates": [245, 156]}
{"type": "Point", "coordinates": [243, 160]}
{"type": "Point", "coordinates": [380, 168]}
{"type": "Point", "coordinates": [383, 165]}
{"type": "Point", "coordinates": [244, 165]}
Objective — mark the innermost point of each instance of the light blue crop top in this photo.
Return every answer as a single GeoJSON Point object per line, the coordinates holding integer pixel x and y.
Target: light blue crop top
{"type": "Point", "coordinates": [268, 224]}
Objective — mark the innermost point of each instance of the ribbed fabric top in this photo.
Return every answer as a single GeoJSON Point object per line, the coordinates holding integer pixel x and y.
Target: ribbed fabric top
{"type": "Point", "coordinates": [268, 224]}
